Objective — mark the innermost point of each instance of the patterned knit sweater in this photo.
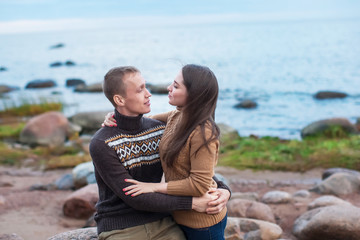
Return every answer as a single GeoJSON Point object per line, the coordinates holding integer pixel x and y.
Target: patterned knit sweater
{"type": "Point", "coordinates": [130, 150]}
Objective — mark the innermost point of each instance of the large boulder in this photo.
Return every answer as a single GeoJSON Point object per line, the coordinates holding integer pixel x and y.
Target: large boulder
{"type": "Point", "coordinates": [333, 222]}
{"type": "Point", "coordinates": [83, 174]}
{"type": "Point", "coordinates": [41, 83]}
{"type": "Point", "coordinates": [81, 203]}
{"type": "Point", "coordinates": [329, 95]}
{"type": "Point", "coordinates": [89, 122]}
{"type": "Point", "coordinates": [95, 87]}
{"type": "Point", "coordinates": [250, 209]}
{"type": "Point", "coordinates": [48, 129]}
{"type": "Point", "coordinates": [244, 228]}
{"type": "Point", "coordinates": [158, 88]}
{"type": "Point", "coordinates": [59, 45]}
{"type": "Point", "coordinates": [319, 127]}
{"type": "Point", "coordinates": [325, 201]}
{"type": "Point", "coordinates": [74, 82]}
{"type": "Point", "coordinates": [227, 132]}
{"type": "Point", "coordinates": [77, 234]}
{"type": "Point", "coordinates": [276, 197]}
{"type": "Point", "coordinates": [247, 104]}
{"type": "Point", "coordinates": [6, 88]}
{"type": "Point", "coordinates": [330, 171]}
{"type": "Point", "coordinates": [338, 184]}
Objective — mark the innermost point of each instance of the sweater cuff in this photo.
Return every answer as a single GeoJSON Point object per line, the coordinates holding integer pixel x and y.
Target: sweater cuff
{"type": "Point", "coordinates": [184, 203]}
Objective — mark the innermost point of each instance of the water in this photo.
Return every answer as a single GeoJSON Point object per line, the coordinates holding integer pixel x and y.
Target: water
{"type": "Point", "coordinates": [279, 64]}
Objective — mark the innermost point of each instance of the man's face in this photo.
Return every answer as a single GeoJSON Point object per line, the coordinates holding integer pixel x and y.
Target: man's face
{"type": "Point", "coordinates": [137, 99]}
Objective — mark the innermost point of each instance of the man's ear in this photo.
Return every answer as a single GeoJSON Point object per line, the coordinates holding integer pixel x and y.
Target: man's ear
{"type": "Point", "coordinates": [119, 100]}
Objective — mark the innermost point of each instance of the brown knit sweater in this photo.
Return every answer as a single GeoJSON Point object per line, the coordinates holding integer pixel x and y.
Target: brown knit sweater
{"type": "Point", "coordinates": [191, 174]}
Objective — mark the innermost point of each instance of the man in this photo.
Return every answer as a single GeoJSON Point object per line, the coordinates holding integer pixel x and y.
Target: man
{"type": "Point", "coordinates": [130, 150]}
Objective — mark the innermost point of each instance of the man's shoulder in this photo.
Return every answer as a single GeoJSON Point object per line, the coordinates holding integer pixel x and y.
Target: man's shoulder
{"type": "Point", "coordinates": [103, 133]}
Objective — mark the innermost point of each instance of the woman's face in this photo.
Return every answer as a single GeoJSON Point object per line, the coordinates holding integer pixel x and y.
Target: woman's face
{"type": "Point", "coordinates": [177, 91]}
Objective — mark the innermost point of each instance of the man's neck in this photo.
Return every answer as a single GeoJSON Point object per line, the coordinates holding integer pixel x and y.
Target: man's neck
{"type": "Point", "coordinates": [128, 123]}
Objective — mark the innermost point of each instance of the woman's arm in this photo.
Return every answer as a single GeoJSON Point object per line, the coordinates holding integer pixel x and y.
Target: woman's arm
{"type": "Point", "coordinates": [202, 166]}
{"type": "Point", "coordinates": [161, 116]}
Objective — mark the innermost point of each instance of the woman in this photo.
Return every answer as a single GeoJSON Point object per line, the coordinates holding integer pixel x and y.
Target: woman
{"type": "Point", "coordinates": [189, 150]}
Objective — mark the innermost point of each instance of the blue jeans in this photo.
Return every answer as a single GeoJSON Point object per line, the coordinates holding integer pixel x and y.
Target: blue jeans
{"type": "Point", "coordinates": [215, 232]}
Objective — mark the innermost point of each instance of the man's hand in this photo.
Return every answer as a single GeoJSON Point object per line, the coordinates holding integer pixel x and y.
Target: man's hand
{"type": "Point", "coordinates": [200, 204]}
{"type": "Point", "coordinates": [219, 204]}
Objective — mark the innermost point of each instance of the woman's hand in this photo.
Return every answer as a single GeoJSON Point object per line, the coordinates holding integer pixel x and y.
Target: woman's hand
{"type": "Point", "coordinates": [219, 204]}
{"type": "Point", "coordinates": [141, 187]}
{"type": "Point", "coordinates": [109, 120]}
{"type": "Point", "coordinates": [201, 204]}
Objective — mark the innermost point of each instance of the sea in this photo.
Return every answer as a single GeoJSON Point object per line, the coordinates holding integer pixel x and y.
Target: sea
{"type": "Point", "coordinates": [278, 64]}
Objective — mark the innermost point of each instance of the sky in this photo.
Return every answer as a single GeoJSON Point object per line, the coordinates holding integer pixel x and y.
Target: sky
{"type": "Point", "coordinates": [44, 15]}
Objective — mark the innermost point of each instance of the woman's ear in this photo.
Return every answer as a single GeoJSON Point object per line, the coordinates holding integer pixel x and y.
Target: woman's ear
{"type": "Point", "coordinates": [119, 100]}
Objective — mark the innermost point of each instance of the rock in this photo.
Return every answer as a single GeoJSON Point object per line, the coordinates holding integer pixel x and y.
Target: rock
{"type": "Point", "coordinates": [89, 122]}
{"type": "Point", "coordinates": [78, 234]}
{"type": "Point", "coordinates": [81, 203]}
{"type": "Point", "coordinates": [69, 63]}
{"type": "Point", "coordinates": [12, 236]}
{"type": "Point", "coordinates": [81, 173]}
{"type": "Point", "coordinates": [59, 45]}
{"type": "Point", "coordinates": [5, 88]}
{"type": "Point", "coordinates": [48, 129]}
{"type": "Point", "coordinates": [328, 172]}
{"type": "Point", "coordinates": [56, 64]}
{"type": "Point", "coordinates": [73, 82]}
{"type": "Point", "coordinates": [96, 87]}
{"type": "Point", "coordinates": [227, 132]}
{"type": "Point", "coordinates": [302, 194]}
{"type": "Point", "coordinates": [90, 222]}
{"type": "Point", "coordinates": [43, 187]}
{"type": "Point", "coordinates": [221, 178]}
{"type": "Point", "coordinates": [321, 126]}
{"type": "Point", "coordinates": [250, 209]}
{"type": "Point", "coordinates": [329, 95]}
{"type": "Point", "coordinates": [2, 201]}
{"type": "Point", "coordinates": [333, 222]}
{"type": "Point", "coordinates": [338, 184]}
{"type": "Point", "coordinates": [325, 201]}
{"type": "Point", "coordinates": [41, 83]}
{"type": "Point", "coordinates": [357, 124]}
{"type": "Point", "coordinates": [252, 196]}
{"type": "Point", "coordinates": [276, 197]}
{"type": "Point", "coordinates": [66, 182]}
{"type": "Point", "coordinates": [244, 228]}
{"type": "Point", "coordinates": [247, 104]}
{"type": "Point", "coordinates": [158, 88]}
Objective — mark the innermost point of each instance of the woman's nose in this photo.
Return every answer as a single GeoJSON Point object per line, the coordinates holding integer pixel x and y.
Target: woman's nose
{"type": "Point", "coordinates": [148, 94]}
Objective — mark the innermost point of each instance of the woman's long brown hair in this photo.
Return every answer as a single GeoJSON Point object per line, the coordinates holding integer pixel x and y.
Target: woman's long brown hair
{"type": "Point", "coordinates": [202, 88]}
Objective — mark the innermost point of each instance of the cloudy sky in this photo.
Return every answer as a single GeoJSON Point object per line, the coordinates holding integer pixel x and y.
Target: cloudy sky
{"type": "Point", "coordinates": [42, 15]}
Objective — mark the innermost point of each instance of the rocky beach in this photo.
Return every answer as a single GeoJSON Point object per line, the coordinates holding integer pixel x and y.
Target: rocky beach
{"type": "Point", "coordinates": [39, 214]}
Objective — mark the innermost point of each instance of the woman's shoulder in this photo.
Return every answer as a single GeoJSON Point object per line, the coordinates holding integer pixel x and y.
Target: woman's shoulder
{"type": "Point", "coordinates": [208, 129]}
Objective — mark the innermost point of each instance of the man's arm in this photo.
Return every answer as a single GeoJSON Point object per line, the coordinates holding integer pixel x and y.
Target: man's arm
{"type": "Point", "coordinates": [113, 174]}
